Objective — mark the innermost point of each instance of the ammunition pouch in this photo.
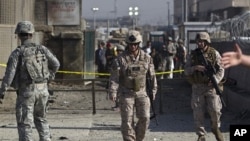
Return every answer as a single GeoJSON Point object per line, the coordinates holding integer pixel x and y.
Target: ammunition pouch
{"type": "Point", "coordinates": [132, 83]}
{"type": "Point", "coordinates": [137, 84]}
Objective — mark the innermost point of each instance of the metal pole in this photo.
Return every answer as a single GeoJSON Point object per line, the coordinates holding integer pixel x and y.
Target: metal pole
{"type": "Point", "coordinates": [168, 13]}
{"type": "Point", "coordinates": [94, 21]}
{"type": "Point", "coordinates": [133, 23]}
{"type": "Point", "coordinates": [186, 10]}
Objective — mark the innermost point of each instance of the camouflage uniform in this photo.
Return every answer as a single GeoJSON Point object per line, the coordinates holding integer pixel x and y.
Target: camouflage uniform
{"type": "Point", "coordinates": [31, 96]}
{"type": "Point", "coordinates": [130, 83]}
{"type": "Point", "coordinates": [180, 57]}
{"type": "Point", "coordinates": [168, 58]}
{"type": "Point", "coordinates": [204, 96]}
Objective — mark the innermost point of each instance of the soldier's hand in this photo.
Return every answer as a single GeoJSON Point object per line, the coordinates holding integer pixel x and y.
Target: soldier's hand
{"type": "Point", "coordinates": [153, 96]}
{"type": "Point", "coordinates": [112, 98]}
{"type": "Point", "coordinates": [199, 68]}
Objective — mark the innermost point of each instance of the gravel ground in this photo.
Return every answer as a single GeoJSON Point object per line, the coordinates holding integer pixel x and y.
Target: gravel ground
{"type": "Point", "coordinates": [70, 117]}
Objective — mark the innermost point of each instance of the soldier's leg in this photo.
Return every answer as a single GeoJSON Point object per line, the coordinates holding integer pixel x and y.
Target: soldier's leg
{"type": "Point", "coordinates": [164, 67]}
{"type": "Point", "coordinates": [24, 116]}
{"type": "Point", "coordinates": [127, 113]}
{"type": "Point", "coordinates": [198, 106]}
{"type": "Point", "coordinates": [214, 110]}
{"type": "Point", "coordinates": [142, 105]}
{"type": "Point", "coordinates": [169, 68]}
{"type": "Point", "coordinates": [40, 120]}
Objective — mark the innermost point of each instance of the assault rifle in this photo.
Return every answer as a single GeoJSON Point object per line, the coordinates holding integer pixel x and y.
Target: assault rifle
{"type": "Point", "coordinates": [150, 95]}
{"type": "Point", "coordinates": [210, 71]}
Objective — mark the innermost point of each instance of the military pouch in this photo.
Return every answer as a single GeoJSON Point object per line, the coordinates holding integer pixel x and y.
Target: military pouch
{"type": "Point", "coordinates": [220, 85]}
{"type": "Point", "coordinates": [136, 84]}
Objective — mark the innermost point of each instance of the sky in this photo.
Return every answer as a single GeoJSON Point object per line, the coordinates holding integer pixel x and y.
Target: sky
{"type": "Point", "coordinates": [153, 12]}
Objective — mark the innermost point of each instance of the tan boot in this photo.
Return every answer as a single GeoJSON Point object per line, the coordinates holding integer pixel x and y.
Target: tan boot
{"type": "Point", "coordinates": [201, 138]}
{"type": "Point", "coordinates": [218, 134]}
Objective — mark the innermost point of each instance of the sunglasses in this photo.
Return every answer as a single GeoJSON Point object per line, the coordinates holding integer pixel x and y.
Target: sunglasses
{"type": "Point", "coordinates": [199, 41]}
{"type": "Point", "coordinates": [23, 34]}
{"type": "Point", "coordinates": [133, 44]}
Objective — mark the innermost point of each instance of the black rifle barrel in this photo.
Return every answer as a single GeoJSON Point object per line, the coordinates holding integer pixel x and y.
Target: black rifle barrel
{"type": "Point", "coordinates": [150, 95]}
{"type": "Point", "coordinates": [210, 71]}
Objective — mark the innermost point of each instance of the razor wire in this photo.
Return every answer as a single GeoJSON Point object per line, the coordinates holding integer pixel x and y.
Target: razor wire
{"type": "Point", "coordinates": [237, 29]}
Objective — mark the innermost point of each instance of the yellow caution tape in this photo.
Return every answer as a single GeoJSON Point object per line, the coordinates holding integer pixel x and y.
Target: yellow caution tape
{"type": "Point", "coordinates": [104, 74]}
{"type": "Point", "coordinates": [3, 65]}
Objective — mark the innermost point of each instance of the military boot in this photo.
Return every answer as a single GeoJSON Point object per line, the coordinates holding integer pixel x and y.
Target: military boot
{"type": "Point", "coordinates": [201, 138]}
{"type": "Point", "coordinates": [218, 134]}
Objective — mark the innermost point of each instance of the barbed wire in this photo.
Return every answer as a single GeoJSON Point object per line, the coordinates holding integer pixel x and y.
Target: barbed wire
{"type": "Point", "coordinates": [236, 29]}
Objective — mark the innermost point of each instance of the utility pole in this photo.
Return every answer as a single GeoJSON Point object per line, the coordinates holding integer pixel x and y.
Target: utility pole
{"type": "Point", "coordinates": [168, 14]}
{"type": "Point", "coordinates": [186, 10]}
{"type": "Point", "coordinates": [115, 10]}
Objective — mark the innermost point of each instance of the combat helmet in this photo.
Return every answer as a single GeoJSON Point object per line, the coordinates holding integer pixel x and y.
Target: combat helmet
{"type": "Point", "coordinates": [203, 36]}
{"type": "Point", "coordinates": [120, 47]}
{"type": "Point", "coordinates": [24, 27]}
{"type": "Point", "coordinates": [180, 41]}
{"type": "Point", "coordinates": [133, 36]}
{"type": "Point", "coordinates": [170, 39]}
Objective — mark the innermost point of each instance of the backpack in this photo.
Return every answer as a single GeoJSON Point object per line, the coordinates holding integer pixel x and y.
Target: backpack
{"type": "Point", "coordinates": [34, 64]}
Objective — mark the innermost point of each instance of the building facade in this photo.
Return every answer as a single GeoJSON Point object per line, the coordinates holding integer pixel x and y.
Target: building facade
{"type": "Point", "coordinates": [65, 39]}
{"type": "Point", "coordinates": [208, 10]}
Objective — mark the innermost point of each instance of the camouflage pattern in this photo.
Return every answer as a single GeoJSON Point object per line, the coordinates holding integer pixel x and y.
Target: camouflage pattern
{"type": "Point", "coordinates": [204, 96]}
{"type": "Point", "coordinates": [130, 83]}
{"type": "Point", "coordinates": [25, 27]}
{"type": "Point", "coordinates": [203, 36]}
{"type": "Point", "coordinates": [31, 96]}
{"type": "Point", "coordinates": [180, 58]}
{"type": "Point", "coordinates": [134, 36]}
{"type": "Point", "coordinates": [168, 59]}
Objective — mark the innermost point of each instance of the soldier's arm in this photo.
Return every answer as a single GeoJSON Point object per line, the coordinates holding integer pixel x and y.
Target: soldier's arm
{"type": "Point", "coordinates": [10, 70]}
{"type": "Point", "coordinates": [220, 70]}
{"type": "Point", "coordinates": [153, 77]}
{"type": "Point", "coordinates": [53, 62]}
{"type": "Point", "coordinates": [114, 79]}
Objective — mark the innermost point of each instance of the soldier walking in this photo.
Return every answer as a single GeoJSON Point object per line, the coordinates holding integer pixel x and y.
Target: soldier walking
{"type": "Point", "coordinates": [203, 93]}
{"type": "Point", "coordinates": [130, 83]}
{"type": "Point", "coordinates": [28, 70]}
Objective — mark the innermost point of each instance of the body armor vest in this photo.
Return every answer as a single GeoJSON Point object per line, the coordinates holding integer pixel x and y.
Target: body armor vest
{"type": "Point", "coordinates": [134, 75]}
{"type": "Point", "coordinates": [197, 76]}
{"type": "Point", "coordinates": [34, 64]}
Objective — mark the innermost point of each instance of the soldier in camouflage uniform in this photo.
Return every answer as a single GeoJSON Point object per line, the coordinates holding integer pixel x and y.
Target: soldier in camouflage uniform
{"type": "Point", "coordinates": [119, 49]}
{"type": "Point", "coordinates": [203, 93]}
{"type": "Point", "coordinates": [168, 58]}
{"type": "Point", "coordinates": [28, 70]}
{"type": "Point", "coordinates": [130, 82]}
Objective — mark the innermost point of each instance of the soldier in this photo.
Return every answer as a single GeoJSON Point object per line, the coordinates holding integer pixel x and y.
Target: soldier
{"type": "Point", "coordinates": [180, 56]}
{"type": "Point", "coordinates": [169, 52]}
{"type": "Point", "coordinates": [120, 49]}
{"type": "Point", "coordinates": [28, 70]}
{"type": "Point", "coordinates": [130, 82]}
{"type": "Point", "coordinates": [203, 93]}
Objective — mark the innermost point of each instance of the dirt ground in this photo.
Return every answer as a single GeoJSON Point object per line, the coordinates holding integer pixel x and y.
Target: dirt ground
{"type": "Point", "coordinates": [70, 115]}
